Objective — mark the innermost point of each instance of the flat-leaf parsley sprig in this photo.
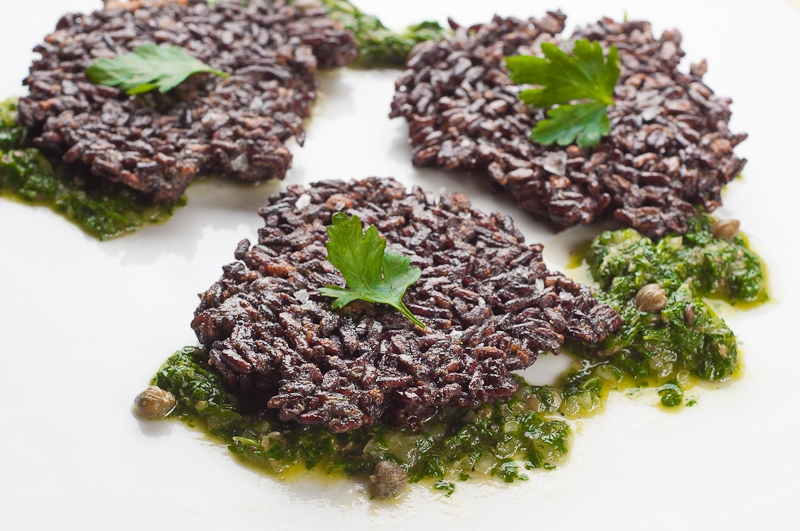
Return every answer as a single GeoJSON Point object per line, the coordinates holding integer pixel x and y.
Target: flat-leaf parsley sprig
{"type": "Point", "coordinates": [149, 67]}
{"type": "Point", "coordinates": [372, 273]}
{"type": "Point", "coordinates": [583, 76]}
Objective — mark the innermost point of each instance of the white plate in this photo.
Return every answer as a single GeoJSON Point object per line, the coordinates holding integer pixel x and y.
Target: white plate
{"type": "Point", "coordinates": [85, 325]}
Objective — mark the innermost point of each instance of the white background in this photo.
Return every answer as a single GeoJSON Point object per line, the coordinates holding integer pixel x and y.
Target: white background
{"type": "Point", "coordinates": [84, 325]}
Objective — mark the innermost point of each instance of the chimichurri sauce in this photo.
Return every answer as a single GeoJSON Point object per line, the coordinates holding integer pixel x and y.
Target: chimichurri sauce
{"type": "Point", "coordinates": [101, 209]}
{"type": "Point", "coordinates": [685, 342]}
{"type": "Point", "coordinates": [377, 45]}
{"type": "Point", "coordinates": [669, 350]}
{"type": "Point", "coordinates": [500, 440]}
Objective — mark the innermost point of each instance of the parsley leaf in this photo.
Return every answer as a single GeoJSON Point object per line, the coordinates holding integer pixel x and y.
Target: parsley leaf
{"type": "Point", "coordinates": [583, 76]}
{"type": "Point", "coordinates": [149, 67]}
{"type": "Point", "coordinates": [371, 274]}
{"type": "Point", "coordinates": [587, 121]}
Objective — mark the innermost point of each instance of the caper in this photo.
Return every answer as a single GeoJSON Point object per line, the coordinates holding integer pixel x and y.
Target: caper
{"type": "Point", "coordinates": [533, 403]}
{"type": "Point", "coordinates": [725, 229]}
{"type": "Point", "coordinates": [689, 313]}
{"type": "Point", "coordinates": [154, 402]}
{"type": "Point", "coordinates": [651, 298]}
{"type": "Point", "coordinates": [388, 480]}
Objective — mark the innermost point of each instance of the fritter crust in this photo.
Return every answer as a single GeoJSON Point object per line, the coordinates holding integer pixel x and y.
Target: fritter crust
{"type": "Point", "coordinates": [669, 148]}
{"type": "Point", "coordinates": [159, 143]}
{"type": "Point", "coordinates": [489, 304]}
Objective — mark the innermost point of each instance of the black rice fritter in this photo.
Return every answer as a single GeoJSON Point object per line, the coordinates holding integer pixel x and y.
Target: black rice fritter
{"type": "Point", "coordinates": [159, 143]}
{"type": "Point", "coordinates": [489, 304]}
{"type": "Point", "coordinates": [668, 151]}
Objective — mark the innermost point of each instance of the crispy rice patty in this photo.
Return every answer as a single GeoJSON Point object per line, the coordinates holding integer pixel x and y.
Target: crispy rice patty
{"type": "Point", "coordinates": [159, 143]}
{"type": "Point", "coordinates": [489, 304]}
{"type": "Point", "coordinates": [669, 148]}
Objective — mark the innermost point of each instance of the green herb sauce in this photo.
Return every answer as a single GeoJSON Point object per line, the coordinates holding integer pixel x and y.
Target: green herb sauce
{"type": "Point", "coordinates": [102, 209]}
{"type": "Point", "coordinates": [494, 440]}
{"type": "Point", "coordinates": [685, 343]}
{"type": "Point", "coordinates": [669, 351]}
{"type": "Point", "coordinates": [377, 45]}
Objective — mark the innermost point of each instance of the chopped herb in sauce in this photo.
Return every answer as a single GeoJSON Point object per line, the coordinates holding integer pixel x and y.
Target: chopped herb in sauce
{"type": "Point", "coordinates": [454, 444]}
{"type": "Point", "coordinates": [102, 210]}
{"type": "Point", "coordinates": [377, 45]}
{"type": "Point", "coordinates": [685, 342]}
